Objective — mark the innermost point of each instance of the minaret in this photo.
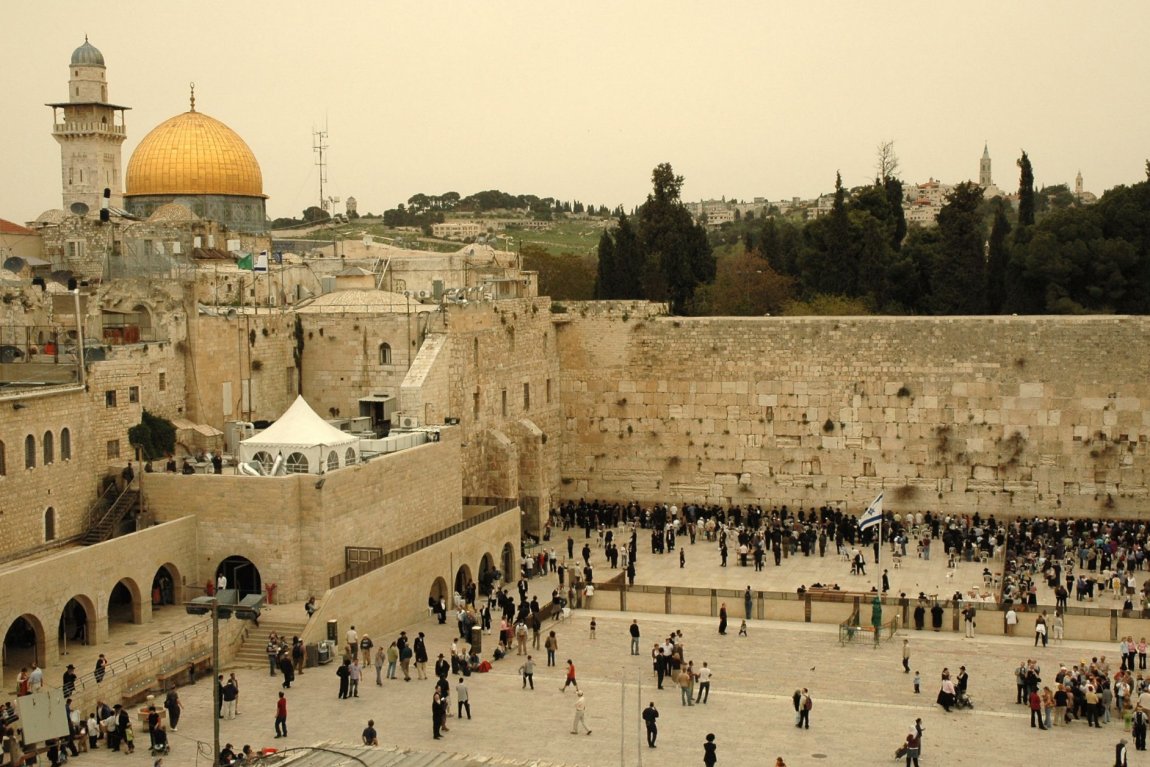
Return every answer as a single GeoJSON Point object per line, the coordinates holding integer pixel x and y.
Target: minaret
{"type": "Point", "coordinates": [984, 169]}
{"type": "Point", "coordinates": [90, 132]}
{"type": "Point", "coordinates": [1078, 186]}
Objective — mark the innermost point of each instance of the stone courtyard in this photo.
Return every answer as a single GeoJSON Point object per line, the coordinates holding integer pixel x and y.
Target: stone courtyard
{"type": "Point", "coordinates": [864, 703]}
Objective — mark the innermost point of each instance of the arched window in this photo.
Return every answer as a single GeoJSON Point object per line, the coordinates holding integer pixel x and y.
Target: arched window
{"type": "Point", "coordinates": [296, 464]}
{"type": "Point", "coordinates": [49, 448]}
{"type": "Point", "coordinates": [29, 452]}
{"type": "Point", "coordinates": [265, 460]}
{"type": "Point", "coordinates": [49, 525]}
{"type": "Point", "coordinates": [332, 461]}
{"type": "Point", "coordinates": [349, 457]}
{"type": "Point", "coordinates": [65, 444]}
{"type": "Point", "coordinates": [385, 354]}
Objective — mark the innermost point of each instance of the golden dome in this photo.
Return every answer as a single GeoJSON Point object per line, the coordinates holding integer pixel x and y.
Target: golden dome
{"type": "Point", "coordinates": [193, 154]}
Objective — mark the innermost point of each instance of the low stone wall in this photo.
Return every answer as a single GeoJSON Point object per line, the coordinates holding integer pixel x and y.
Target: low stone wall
{"type": "Point", "coordinates": [1093, 624]}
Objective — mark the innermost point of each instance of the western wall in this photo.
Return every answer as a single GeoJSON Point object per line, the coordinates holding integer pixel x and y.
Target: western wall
{"type": "Point", "coordinates": [1004, 415]}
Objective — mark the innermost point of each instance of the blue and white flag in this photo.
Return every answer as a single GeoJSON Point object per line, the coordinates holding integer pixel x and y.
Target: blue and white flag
{"type": "Point", "coordinates": [873, 515]}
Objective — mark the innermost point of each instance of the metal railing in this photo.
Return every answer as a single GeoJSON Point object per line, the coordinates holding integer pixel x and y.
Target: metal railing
{"type": "Point", "coordinates": [498, 506]}
{"type": "Point", "coordinates": [164, 647]}
{"type": "Point", "coordinates": [852, 632]}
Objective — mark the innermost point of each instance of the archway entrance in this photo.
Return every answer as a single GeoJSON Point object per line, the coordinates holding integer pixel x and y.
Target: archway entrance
{"type": "Point", "coordinates": [438, 590]}
{"type": "Point", "coordinates": [76, 627]}
{"type": "Point", "coordinates": [509, 566]}
{"type": "Point", "coordinates": [488, 575]}
{"type": "Point", "coordinates": [166, 586]}
{"type": "Point", "coordinates": [242, 575]}
{"type": "Point", "coordinates": [23, 646]}
{"type": "Point", "coordinates": [462, 579]}
{"type": "Point", "coordinates": [124, 604]}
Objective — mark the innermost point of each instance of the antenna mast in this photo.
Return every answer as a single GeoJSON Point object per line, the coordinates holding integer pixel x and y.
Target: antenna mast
{"type": "Point", "coordinates": [319, 144]}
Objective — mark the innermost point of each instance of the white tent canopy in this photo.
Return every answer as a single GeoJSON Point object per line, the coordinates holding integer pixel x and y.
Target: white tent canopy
{"type": "Point", "coordinates": [301, 442]}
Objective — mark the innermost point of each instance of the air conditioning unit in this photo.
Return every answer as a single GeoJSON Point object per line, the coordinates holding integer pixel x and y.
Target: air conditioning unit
{"type": "Point", "coordinates": [408, 421]}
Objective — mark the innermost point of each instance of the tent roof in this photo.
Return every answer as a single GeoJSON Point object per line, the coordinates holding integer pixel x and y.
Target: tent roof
{"type": "Point", "coordinates": [299, 426]}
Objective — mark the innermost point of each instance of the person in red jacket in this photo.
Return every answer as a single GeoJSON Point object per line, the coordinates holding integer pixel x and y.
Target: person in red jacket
{"type": "Point", "coordinates": [281, 717]}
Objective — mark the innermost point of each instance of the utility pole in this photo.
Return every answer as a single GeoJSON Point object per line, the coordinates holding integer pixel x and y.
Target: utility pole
{"type": "Point", "coordinates": [216, 680]}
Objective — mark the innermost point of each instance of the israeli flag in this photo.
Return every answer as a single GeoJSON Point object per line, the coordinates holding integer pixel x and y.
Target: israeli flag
{"type": "Point", "coordinates": [873, 515]}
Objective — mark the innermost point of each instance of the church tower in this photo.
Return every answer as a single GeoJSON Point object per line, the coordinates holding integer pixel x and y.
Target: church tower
{"type": "Point", "coordinates": [984, 169]}
{"type": "Point", "coordinates": [89, 131]}
{"type": "Point", "coordinates": [1078, 186]}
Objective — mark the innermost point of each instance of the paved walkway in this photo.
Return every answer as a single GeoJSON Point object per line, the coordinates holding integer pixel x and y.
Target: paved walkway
{"type": "Point", "coordinates": [864, 703]}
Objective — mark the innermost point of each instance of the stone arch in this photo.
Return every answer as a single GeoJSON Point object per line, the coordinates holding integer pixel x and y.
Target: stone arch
{"type": "Point", "coordinates": [462, 578]}
{"type": "Point", "coordinates": [242, 574]}
{"type": "Point", "coordinates": [24, 644]}
{"type": "Point", "coordinates": [77, 622]}
{"type": "Point", "coordinates": [488, 574]}
{"type": "Point", "coordinates": [144, 320]}
{"type": "Point", "coordinates": [508, 557]}
{"type": "Point", "coordinates": [49, 445]}
{"type": "Point", "coordinates": [167, 586]}
{"type": "Point", "coordinates": [438, 589]}
{"type": "Point", "coordinates": [124, 603]}
{"type": "Point", "coordinates": [49, 524]}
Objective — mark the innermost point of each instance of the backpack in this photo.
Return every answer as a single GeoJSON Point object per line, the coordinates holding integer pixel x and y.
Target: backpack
{"type": "Point", "coordinates": [808, 704]}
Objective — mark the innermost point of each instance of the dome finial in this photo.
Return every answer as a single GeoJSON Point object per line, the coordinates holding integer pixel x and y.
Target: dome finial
{"type": "Point", "coordinates": [193, 98]}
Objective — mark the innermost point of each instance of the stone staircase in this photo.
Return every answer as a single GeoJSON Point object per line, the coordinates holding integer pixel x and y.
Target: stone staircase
{"type": "Point", "coordinates": [105, 528]}
{"type": "Point", "coordinates": [253, 652]}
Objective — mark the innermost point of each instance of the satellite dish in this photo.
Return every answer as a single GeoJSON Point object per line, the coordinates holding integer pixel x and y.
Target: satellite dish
{"type": "Point", "coordinates": [79, 208]}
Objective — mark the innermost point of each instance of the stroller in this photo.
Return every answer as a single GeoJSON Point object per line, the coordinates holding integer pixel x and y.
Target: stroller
{"type": "Point", "coordinates": [160, 746]}
{"type": "Point", "coordinates": [962, 700]}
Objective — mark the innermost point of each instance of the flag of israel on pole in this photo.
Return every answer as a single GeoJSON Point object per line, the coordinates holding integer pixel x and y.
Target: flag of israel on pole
{"type": "Point", "coordinates": [873, 515]}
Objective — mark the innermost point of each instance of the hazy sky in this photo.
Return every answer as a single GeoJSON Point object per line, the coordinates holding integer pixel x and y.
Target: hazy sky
{"type": "Point", "coordinates": [580, 100]}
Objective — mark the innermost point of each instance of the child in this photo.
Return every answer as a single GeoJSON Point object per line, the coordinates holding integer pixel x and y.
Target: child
{"type": "Point", "coordinates": [592, 628]}
{"type": "Point", "coordinates": [917, 682]}
{"type": "Point", "coordinates": [709, 757]}
{"type": "Point", "coordinates": [682, 559]}
{"type": "Point", "coordinates": [743, 629]}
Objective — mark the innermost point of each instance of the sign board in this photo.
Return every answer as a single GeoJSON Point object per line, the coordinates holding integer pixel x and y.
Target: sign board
{"type": "Point", "coordinates": [43, 715]}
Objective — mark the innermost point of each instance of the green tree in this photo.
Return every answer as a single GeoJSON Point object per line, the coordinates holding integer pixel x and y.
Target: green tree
{"type": "Point", "coordinates": [997, 257]}
{"type": "Point", "coordinates": [154, 435]}
{"type": "Point", "coordinates": [745, 286]}
{"type": "Point", "coordinates": [1025, 193]}
{"type": "Point", "coordinates": [565, 277]}
{"type": "Point", "coordinates": [958, 279]}
{"type": "Point", "coordinates": [607, 270]}
{"type": "Point", "coordinates": [677, 253]}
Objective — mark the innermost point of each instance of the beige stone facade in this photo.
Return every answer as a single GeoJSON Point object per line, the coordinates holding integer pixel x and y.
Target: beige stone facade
{"type": "Point", "coordinates": [1014, 415]}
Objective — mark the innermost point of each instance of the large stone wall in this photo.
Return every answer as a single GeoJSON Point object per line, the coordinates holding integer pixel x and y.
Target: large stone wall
{"type": "Point", "coordinates": [224, 353]}
{"type": "Point", "coordinates": [1015, 415]}
{"type": "Point", "coordinates": [496, 353]}
{"type": "Point", "coordinates": [294, 528]}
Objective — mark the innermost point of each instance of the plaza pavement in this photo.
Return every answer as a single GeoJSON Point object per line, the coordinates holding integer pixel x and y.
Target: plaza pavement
{"type": "Point", "coordinates": [863, 702]}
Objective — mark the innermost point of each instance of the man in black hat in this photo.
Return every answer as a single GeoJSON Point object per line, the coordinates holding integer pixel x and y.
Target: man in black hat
{"type": "Point", "coordinates": [69, 680]}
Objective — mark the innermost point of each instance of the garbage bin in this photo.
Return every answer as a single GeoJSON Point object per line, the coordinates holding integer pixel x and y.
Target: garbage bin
{"type": "Point", "coordinates": [333, 631]}
{"type": "Point", "coordinates": [477, 639]}
{"type": "Point", "coordinates": [311, 655]}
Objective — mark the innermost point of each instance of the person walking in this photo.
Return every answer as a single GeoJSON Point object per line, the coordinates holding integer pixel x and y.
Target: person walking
{"type": "Point", "coordinates": [580, 712]}
{"type": "Point", "coordinates": [1036, 710]}
{"type": "Point", "coordinates": [392, 659]}
{"type": "Point", "coordinates": [710, 758]}
{"type": "Point", "coordinates": [968, 617]}
{"type": "Point", "coordinates": [570, 681]}
{"type": "Point", "coordinates": [380, 657]}
{"type": "Point", "coordinates": [528, 672]}
{"type": "Point", "coordinates": [344, 674]}
{"type": "Point", "coordinates": [906, 656]}
{"type": "Point", "coordinates": [287, 669]}
{"type": "Point", "coordinates": [686, 682]}
{"type": "Point", "coordinates": [437, 714]}
{"type": "Point", "coordinates": [650, 717]}
{"type": "Point", "coordinates": [420, 647]}
{"type": "Point", "coordinates": [229, 695]}
{"type": "Point", "coordinates": [805, 706]}
{"type": "Point", "coordinates": [634, 637]}
{"type": "Point", "coordinates": [462, 699]}
{"type": "Point", "coordinates": [912, 750]}
{"type": "Point", "coordinates": [281, 716]}
{"type": "Point", "coordinates": [174, 708]}
{"type": "Point", "coordinates": [704, 675]}
{"type": "Point", "coordinates": [723, 619]}
{"type": "Point", "coordinates": [551, 645]}
{"type": "Point", "coordinates": [1120, 754]}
